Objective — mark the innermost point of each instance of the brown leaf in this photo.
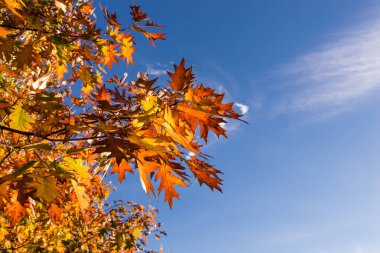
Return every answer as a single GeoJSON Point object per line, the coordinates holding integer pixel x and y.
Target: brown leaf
{"type": "Point", "coordinates": [182, 77]}
{"type": "Point", "coordinates": [138, 15]}
{"type": "Point", "coordinates": [205, 173]}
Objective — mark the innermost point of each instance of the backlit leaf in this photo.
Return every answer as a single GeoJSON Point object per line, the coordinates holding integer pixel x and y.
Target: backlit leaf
{"type": "Point", "coordinates": [182, 77]}
{"type": "Point", "coordinates": [45, 187]}
{"type": "Point", "coordinates": [20, 120]}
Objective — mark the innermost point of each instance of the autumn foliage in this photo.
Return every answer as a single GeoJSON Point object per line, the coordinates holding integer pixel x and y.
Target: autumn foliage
{"type": "Point", "coordinates": [66, 120]}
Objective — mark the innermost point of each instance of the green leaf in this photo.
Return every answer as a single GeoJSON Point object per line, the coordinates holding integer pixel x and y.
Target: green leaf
{"type": "Point", "coordinates": [46, 187]}
{"type": "Point", "coordinates": [75, 165]}
{"type": "Point", "coordinates": [20, 120]}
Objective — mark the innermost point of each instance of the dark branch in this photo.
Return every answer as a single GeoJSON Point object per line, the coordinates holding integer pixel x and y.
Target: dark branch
{"type": "Point", "coordinates": [83, 36]}
{"type": "Point", "coordinates": [46, 137]}
{"type": "Point", "coordinates": [17, 131]}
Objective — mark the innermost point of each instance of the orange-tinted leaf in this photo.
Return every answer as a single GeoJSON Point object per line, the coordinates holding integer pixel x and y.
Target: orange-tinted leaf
{"type": "Point", "coordinates": [138, 15]}
{"type": "Point", "coordinates": [127, 49]}
{"type": "Point", "coordinates": [101, 94]}
{"type": "Point", "coordinates": [60, 71]}
{"type": "Point", "coordinates": [154, 36]}
{"type": "Point", "coordinates": [4, 32]}
{"type": "Point", "coordinates": [80, 194]}
{"type": "Point", "coordinates": [182, 77]}
{"type": "Point", "coordinates": [109, 55]}
{"type": "Point", "coordinates": [87, 8]}
{"type": "Point", "coordinates": [13, 5]}
{"type": "Point", "coordinates": [146, 165]}
{"type": "Point", "coordinates": [110, 18]}
{"type": "Point", "coordinates": [16, 211]}
{"type": "Point", "coordinates": [55, 212]}
{"type": "Point", "coordinates": [167, 182]}
{"type": "Point", "coordinates": [205, 173]}
{"type": "Point", "coordinates": [151, 23]}
{"type": "Point", "coordinates": [121, 169]}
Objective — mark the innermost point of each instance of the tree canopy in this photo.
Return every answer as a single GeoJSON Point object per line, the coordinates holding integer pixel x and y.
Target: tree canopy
{"type": "Point", "coordinates": [67, 119]}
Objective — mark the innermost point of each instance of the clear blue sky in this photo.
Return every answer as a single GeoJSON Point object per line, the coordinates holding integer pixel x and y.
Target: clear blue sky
{"type": "Point", "coordinates": [304, 175]}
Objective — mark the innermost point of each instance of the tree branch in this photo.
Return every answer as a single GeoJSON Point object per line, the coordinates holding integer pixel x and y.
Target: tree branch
{"type": "Point", "coordinates": [46, 137]}
{"type": "Point", "coordinates": [83, 36]}
{"type": "Point", "coordinates": [17, 131]}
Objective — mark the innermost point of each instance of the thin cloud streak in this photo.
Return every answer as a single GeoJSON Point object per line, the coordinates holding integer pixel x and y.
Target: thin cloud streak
{"type": "Point", "coordinates": [336, 77]}
{"type": "Point", "coordinates": [156, 70]}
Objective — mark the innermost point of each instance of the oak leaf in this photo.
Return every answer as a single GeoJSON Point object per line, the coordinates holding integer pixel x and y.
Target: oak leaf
{"type": "Point", "coordinates": [109, 55]}
{"type": "Point", "coordinates": [127, 49]}
{"type": "Point", "coordinates": [182, 77]}
{"type": "Point", "coordinates": [121, 169]}
{"type": "Point", "coordinates": [138, 15]}
{"type": "Point", "coordinates": [168, 180]}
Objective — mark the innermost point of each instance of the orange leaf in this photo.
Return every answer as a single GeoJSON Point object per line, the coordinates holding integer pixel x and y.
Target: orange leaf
{"type": "Point", "coordinates": [87, 8]}
{"type": "Point", "coordinates": [101, 94]}
{"type": "Point", "coordinates": [121, 169]}
{"type": "Point", "coordinates": [168, 180]}
{"type": "Point", "coordinates": [55, 212]}
{"type": "Point", "coordinates": [127, 49]}
{"type": "Point", "coordinates": [182, 77]}
{"type": "Point", "coordinates": [109, 54]}
{"type": "Point", "coordinates": [13, 5]}
{"type": "Point", "coordinates": [146, 166]}
{"type": "Point", "coordinates": [205, 173]}
{"type": "Point", "coordinates": [4, 32]}
{"type": "Point", "coordinates": [16, 211]}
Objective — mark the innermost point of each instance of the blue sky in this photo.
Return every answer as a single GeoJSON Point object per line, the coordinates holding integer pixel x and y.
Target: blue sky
{"type": "Point", "coordinates": [303, 176]}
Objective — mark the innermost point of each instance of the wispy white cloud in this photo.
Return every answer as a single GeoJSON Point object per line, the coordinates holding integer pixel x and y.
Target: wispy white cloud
{"type": "Point", "coordinates": [233, 125]}
{"type": "Point", "coordinates": [243, 108]}
{"type": "Point", "coordinates": [335, 77]}
{"type": "Point", "coordinates": [156, 70]}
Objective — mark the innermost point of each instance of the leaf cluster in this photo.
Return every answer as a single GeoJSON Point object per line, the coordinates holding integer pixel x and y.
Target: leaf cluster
{"type": "Point", "coordinates": [66, 122]}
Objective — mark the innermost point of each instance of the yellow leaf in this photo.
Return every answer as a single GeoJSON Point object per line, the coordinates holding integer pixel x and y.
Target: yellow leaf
{"type": "Point", "coordinates": [172, 129]}
{"type": "Point", "coordinates": [127, 49]}
{"type": "Point", "coordinates": [151, 104]}
{"type": "Point", "coordinates": [79, 192]}
{"type": "Point", "coordinates": [76, 165]}
{"type": "Point", "coordinates": [45, 187]}
{"type": "Point", "coordinates": [60, 71]}
{"type": "Point", "coordinates": [20, 120]}
{"type": "Point", "coordinates": [87, 89]}
{"type": "Point", "coordinates": [109, 54]}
